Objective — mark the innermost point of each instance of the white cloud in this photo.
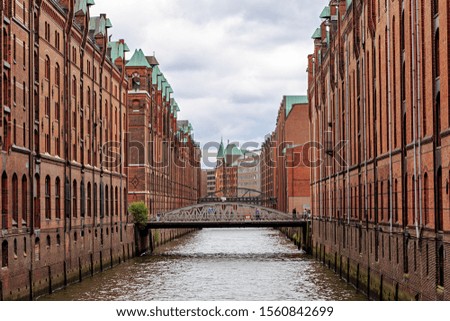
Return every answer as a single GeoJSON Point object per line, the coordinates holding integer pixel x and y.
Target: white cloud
{"type": "Point", "coordinates": [229, 61]}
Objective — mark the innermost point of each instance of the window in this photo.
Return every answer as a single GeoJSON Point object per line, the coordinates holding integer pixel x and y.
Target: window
{"type": "Point", "coordinates": [24, 96]}
{"type": "Point", "coordinates": [47, 68]}
{"type": "Point", "coordinates": [48, 214]}
{"type": "Point", "coordinates": [82, 199]}
{"type": "Point", "coordinates": [95, 200]}
{"type": "Point", "coordinates": [24, 55]}
{"type": "Point", "coordinates": [49, 242]}
{"type": "Point", "coordinates": [89, 204]}
{"type": "Point", "coordinates": [58, 198]}
{"type": "Point", "coordinates": [5, 255]}
{"type": "Point", "coordinates": [117, 201]}
{"type": "Point", "coordinates": [74, 199]}
{"type": "Point", "coordinates": [436, 58]}
{"type": "Point", "coordinates": [112, 201]}
{"type": "Point", "coordinates": [15, 200]}
{"type": "Point", "coordinates": [24, 200]}
{"type": "Point", "coordinates": [58, 240]}
{"type": "Point", "coordinates": [14, 91]}
{"type": "Point", "coordinates": [440, 266]}
{"type": "Point", "coordinates": [435, 7]}
{"type": "Point", "coordinates": [437, 111]}
{"type": "Point", "coordinates": [14, 48]}
{"type": "Point", "coordinates": [37, 249]}
{"type": "Point", "coordinates": [439, 199]}
{"type": "Point", "coordinates": [4, 201]}
{"type": "Point", "coordinates": [426, 198]}
{"type": "Point", "coordinates": [57, 75]}
{"type": "Point", "coordinates": [37, 202]}
{"type": "Point", "coordinates": [106, 201]}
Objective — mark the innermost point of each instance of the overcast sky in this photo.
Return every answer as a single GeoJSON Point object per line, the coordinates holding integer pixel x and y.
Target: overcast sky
{"type": "Point", "coordinates": [228, 61]}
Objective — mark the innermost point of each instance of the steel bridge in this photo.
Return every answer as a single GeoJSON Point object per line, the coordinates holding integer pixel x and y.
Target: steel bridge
{"type": "Point", "coordinates": [225, 215]}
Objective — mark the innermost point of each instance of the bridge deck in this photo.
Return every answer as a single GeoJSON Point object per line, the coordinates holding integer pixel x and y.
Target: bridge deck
{"type": "Point", "coordinates": [226, 224]}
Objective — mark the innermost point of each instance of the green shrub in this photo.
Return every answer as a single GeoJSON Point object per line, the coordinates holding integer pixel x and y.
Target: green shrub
{"type": "Point", "coordinates": [140, 213]}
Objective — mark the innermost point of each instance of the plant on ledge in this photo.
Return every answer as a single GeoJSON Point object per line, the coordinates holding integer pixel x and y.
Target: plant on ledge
{"type": "Point", "coordinates": [140, 213]}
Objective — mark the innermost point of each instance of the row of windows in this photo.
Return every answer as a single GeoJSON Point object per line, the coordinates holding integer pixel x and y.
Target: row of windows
{"type": "Point", "coordinates": [87, 202]}
{"type": "Point", "coordinates": [48, 244]}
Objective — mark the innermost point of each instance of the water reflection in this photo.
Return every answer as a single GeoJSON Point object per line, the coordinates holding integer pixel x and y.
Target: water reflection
{"type": "Point", "coordinates": [217, 264]}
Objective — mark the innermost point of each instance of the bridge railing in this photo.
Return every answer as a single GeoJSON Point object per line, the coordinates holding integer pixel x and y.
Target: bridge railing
{"type": "Point", "coordinates": [224, 212]}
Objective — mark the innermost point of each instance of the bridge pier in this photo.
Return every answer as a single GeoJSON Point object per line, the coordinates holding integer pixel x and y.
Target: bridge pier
{"type": "Point", "coordinates": [143, 240]}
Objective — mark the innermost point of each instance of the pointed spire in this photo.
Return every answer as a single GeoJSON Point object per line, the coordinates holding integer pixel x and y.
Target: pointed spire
{"type": "Point", "coordinates": [221, 152]}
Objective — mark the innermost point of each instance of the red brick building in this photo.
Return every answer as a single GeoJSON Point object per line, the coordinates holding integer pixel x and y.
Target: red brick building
{"type": "Point", "coordinates": [164, 160]}
{"type": "Point", "coordinates": [284, 176]}
{"type": "Point", "coordinates": [379, 108]}
{"type": "Point", "coordinates": [63, 118]}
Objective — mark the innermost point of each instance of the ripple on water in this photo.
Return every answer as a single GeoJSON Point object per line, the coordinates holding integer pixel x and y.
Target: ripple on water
{"type": "Point", "coordinates": [217, 264]}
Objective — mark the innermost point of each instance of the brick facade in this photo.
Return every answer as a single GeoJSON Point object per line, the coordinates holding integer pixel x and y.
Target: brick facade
{"type": "Point", "coordinates": [62, 102]}
{"type": "Point", "coordinates": [379, 108]}
{"type": "Point", "coordinates": [285, 179]}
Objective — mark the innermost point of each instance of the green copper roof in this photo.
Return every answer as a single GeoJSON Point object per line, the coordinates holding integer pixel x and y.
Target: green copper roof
{"type": "Point", "coordinates": [221, 152]}
{"type": "Point", "coordinates": [108, 23]}
{"type": "Point", "coordinates": [325, 13]}
{"type": "Point", "coordinates": [161, 81]}
{"type": "Point", "coordinates": [99, 24]}
{"type": "Point", "coordinates": [138, 60]}
{"type": "Point", "coordinates": [317, 34]}
{"type": "Point", "coordinates": [155, 73]}
{"type": "Point", "coordinates": [349, 2]}
{"type": "Point", "coordinates": [80, 6]}
{"type": "Point", "coordinates": [290, 101]}
{"type": "Point", "coordinates": [233, 150]}
{"type": "Point", "coordinates": [90, 2]}
{"type": "Point", "coordinates": [118, 49]}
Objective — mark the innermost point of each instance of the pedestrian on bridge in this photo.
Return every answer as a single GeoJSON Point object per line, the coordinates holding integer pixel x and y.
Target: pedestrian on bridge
{"type": "Point", "coordinates": [294, 213]}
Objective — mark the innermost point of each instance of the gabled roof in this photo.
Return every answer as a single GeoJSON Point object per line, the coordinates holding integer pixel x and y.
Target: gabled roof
{"type": "Point", "coordinates": [152, 60]}
{"type": "Point", "coordinates": [98, 25]}
{"type": "Point", "coordinates": [290, 101]}
{"type": "Point", "coordinates": [138, 60]}
{"type": "Point", "coordinates": [118, 49]}
{"type": "Point", "coordinates": [326, 13]}
{"type": "Point", "coordinates": [317, 34]}
{"type": "Point", "coordinates": [233, 150]}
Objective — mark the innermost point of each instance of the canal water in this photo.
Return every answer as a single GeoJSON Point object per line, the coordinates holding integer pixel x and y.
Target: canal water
{"type": "Point", "coordinates": [216, 264]}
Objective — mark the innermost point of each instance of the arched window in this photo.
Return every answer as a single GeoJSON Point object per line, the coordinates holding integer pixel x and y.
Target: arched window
{"type": "Point", "coordinates": [74, 86]}
{"type": "Point", "coordinates": [74, 199]}
{"type": "Point", "coordinates": [58, 198]}
{"type": "Point", "coordinates": [436, 58]}
{"type": "Point", "coordinates": [106, 200]}
{"type": "Point", "coordinates": [426, 199]}
{"type": "Point", "coordinates": [4, 201]}
{"type": "Point", "coordinates": [49, 242]}
{"type": "Point", "coordinates": [438, 119]}
{"type": "Point", "coordinates": [117, 201]}
{"type": "Point", "coordinates": [47, 68]}
{"type": "Point", "coordinates": [24, 200]}
{"type": "Point", "coordinates": [5, 144]}
{"type": "Point", "coordinates": [15, 200]}
{"type": "Point", "coordinates": [48, 210]}
{"type": "Point", "coordinates": [89, 203]}
{"type": "Point", "coordinates": [112, 201]}
{"type": "Point", "coordinates": [57, 75]}
{"type": "Point", "coordinates": [95, 200]}
{"type": "Point", "coordinates": [37, 202]}
{"type": "Point", "coordinates": [15, 248]}
{"type": "Point", "coordinates": [82, 199]}
{"type": "Point", "coordinates": [439, 199]}
{"type": "Point", "coordinates": [58, 240]}
{"type": "Point", "coordinates": [435, 7]}
{"type": "Point", "coordinates": [5, 255]}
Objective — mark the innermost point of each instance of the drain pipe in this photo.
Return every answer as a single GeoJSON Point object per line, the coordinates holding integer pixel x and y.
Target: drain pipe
{"type": "Point", "coordinates": [413, 55]}
{"type": "Point", "coordinates": [388, 26]}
